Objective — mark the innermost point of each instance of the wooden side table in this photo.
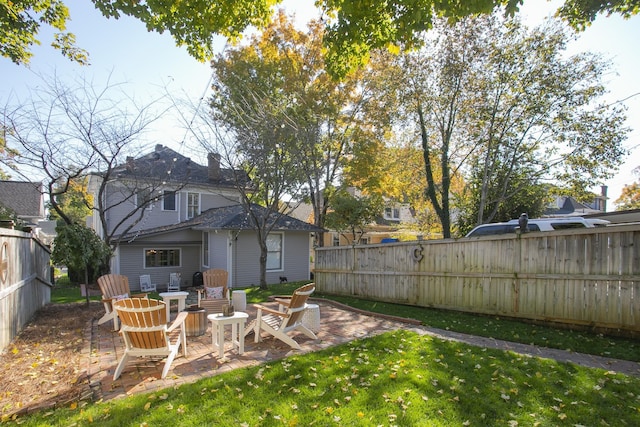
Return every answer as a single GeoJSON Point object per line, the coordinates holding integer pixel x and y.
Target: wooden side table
{"type": "Point", "coordinates": [237, 322]}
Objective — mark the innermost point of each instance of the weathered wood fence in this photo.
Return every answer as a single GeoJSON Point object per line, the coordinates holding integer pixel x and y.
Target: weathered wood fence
{"type": "Point", "coordinates": [580, 277]}
{"type": "Point", "coordinates": [25, 282]}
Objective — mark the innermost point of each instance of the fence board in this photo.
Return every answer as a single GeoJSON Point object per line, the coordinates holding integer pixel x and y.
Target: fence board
{"type": "Point", "coordinates": [588, 277]}
{"type": "Point", "coordinates": [25, 283]}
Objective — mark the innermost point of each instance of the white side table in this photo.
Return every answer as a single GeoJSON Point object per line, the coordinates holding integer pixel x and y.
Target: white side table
{"type": "Point", "coordinates": [181, 297]}
{"type": "Point", "coordinates": [311, 317]}
{"type": "Point", "coordinates": [237, 322]}
{"type": "Point", "coordinates": [239, 300]}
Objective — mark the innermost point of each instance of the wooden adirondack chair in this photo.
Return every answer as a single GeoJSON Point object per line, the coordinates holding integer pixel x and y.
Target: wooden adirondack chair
{"type": "Point", "coordinates": [113, 288]}
{"type": "Point", "coordinates": [146, 285]}
{"type": "Point", "coordinates": [215, 293]}
{"type": "Point", "coordinates": [145, 332]}
{"type": "Point", "coordinates": [281, 323]}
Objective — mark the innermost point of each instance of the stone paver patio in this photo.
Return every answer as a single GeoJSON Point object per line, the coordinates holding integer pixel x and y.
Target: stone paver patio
{"type": "Point", "coordinates": [338, 325]}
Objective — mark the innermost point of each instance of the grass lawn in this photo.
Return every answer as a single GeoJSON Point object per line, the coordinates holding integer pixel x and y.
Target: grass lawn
{"type": "Point", "coordinates": [396, 379]}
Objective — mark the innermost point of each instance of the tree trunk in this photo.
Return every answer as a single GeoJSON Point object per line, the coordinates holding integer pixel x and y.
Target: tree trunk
{"type": "Point", "coordinates": [263, 266]}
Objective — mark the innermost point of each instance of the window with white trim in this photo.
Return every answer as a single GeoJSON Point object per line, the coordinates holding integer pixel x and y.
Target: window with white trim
{"type": "Point", "coordinates": [161, 258]}
{"type": "Point", "coordinates": [274, 251]}
{"type": "Point", "coordinates": [336, 240]}
{"type": "Point", "coordinates": [193, 205]}
{"type": "Point", "coordinates": [392, 213]}
{"type": "Point", "coordinates": [168, 200]}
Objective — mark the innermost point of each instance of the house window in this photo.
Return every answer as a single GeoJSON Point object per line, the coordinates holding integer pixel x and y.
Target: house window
{"type": "Point", "coordinates": [168, 200]}
{"type": "Point", "coordinates": [205, 248]}
{"type": "Point", "coordinates": [274, 252]}
{"type": "Point", "coordinates": [336, 240]}
{"type": "Point", "coordinates": [161, 258]}
{"type": "Point", "coordinates": [193, 205]}
{"type": "Point", "coordinates": [392, 213]}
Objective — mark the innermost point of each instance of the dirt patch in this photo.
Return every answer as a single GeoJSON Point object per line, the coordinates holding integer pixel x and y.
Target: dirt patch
{"type": "Point", "coordinates": [45, 365]}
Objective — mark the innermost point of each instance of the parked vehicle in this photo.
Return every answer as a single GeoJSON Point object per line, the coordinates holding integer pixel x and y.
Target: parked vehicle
{"type": "Point", "coordinates": [538, 224]}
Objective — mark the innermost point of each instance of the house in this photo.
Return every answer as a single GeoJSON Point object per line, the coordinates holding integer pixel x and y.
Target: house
{"type": "Point", "coordinates": [192, 220]}
{"type": "Point", "coordinates": [25, 200]}
{"type": "Point", "coordinates": [391, 222]}
{"type": "Point", "coordinates": [568, 206]}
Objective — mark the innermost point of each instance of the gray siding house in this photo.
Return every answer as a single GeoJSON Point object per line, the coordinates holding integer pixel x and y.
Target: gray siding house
{"type": "Point", "coordinates": [26, 200]}
{"type": "Point", "coordinates": [189, 219]}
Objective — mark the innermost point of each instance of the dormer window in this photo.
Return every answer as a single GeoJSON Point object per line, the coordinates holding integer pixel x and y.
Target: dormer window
{"type": "Point", "coordinates": [392, 213]}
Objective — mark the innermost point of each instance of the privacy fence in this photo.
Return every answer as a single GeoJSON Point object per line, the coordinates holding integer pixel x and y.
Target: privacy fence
{"type": "Point", "coordinates": [588, 277]}
{"type": "Point", "coordinates": [25, 282]}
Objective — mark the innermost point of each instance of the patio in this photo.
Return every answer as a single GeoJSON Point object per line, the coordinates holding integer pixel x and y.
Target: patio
{"type": "Point", "coordinates": [337, 326]}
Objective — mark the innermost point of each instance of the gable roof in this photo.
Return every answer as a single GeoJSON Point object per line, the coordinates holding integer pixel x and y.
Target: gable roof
{"type": "Point", "coordinates": [22, 197]}
{"type": "Point", "coordinates": [166, 164]}
{"type": "Point", "coordinates": [568, 206]}
{"type": "Point", "coordinates": [231, 217]}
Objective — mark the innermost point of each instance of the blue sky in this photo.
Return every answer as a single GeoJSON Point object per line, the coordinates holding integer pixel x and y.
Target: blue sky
{"type": "Point", "coordinates": [152, 65]}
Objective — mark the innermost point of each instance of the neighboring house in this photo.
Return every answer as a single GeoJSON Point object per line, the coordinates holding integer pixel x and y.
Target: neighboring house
{"type": "Point", "coordinates": [26, 200]}
{"type": "Point", "coordinates": [195, 223]}
{"type": "Point", "coordinates": [387, 226]}
{"type": "Point", "coordinates": [568, 206]}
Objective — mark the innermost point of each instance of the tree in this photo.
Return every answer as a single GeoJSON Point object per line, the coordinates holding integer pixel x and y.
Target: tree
{"type": "Point", "coordinates": [630, 195]}
{"type": "Point", "coordinates": [349, 215]}
{"type": "Point", "coordinates": [250, 119]}
{"type": "Point", "coordinates": [281, 119]}
{"type": "Point", "coordinates": [524, 196]}
{"type": "Point", "coordinates": [80, 249]}
{"type": "Point", "coordinates": [67, 132]}
{"type": "Point", "coordinates": [354, 28]}
{"type": "Point", "coordinates": [536, 126]}
{"type": "Point", "coordinates": [75, 202]}
{"type": "Point", "coordinates": [20, 22]}
{"type": "Point", "coordinates": [500, 106]}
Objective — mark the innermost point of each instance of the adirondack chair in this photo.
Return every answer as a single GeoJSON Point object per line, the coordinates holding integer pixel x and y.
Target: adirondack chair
{"type": "Point", "coordinates": [215, 293]}
{"type": "Point", "coordinates": [281, 323]}
{"type": "Point", "coordinates": [174, 282]}
{"type": "Point", "coordinates": [146, 285]}
{"type": "Point", "coordinates": [145, 332]}
{"type": "Point", "coordinates": [113, 288]}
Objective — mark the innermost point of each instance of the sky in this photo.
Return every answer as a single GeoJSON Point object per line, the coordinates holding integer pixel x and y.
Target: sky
{"type": "Point", "coordinates": [151, 65]}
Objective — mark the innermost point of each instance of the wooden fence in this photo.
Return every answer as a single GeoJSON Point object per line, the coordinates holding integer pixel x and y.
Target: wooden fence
{"type": "Point", "coordinates": [581, 277]}
{"type": "Point", "coordinates": [25, 282]}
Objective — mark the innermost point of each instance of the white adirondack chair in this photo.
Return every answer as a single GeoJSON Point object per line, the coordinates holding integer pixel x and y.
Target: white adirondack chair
{"type": "Point", "coordinates": [146, 285]}
{"type": "Point", "coordinates": [174, 282]}
{"type": "Point", "coordinates": [281, 323]}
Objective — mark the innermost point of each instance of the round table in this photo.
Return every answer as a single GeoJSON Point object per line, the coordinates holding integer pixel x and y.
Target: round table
{"type": "Point", "coordinates": [181, 297]}
{"type": "Point", "coordinates": [237, 322]}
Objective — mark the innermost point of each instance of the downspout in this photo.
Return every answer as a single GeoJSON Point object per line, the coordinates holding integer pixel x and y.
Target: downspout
{"type": "Point", "coordinates": [231, 262]}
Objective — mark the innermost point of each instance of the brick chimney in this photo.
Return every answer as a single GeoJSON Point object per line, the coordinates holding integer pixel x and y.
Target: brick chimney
{"type": "Point", "coordinates": [213, 169]}
{"type": "Point", "coordinates": [130, 165]}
